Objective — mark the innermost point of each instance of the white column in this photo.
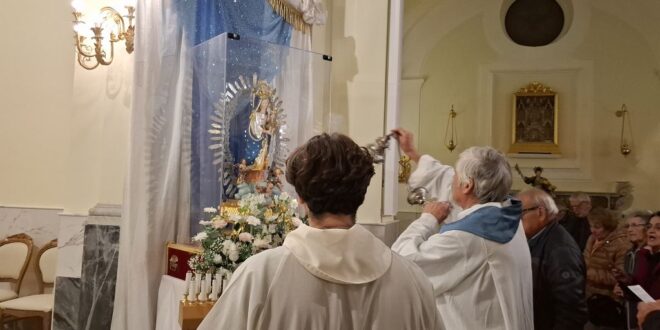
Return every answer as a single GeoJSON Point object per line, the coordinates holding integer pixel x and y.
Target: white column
{"type": "Point", "coordinates": [391, 165]}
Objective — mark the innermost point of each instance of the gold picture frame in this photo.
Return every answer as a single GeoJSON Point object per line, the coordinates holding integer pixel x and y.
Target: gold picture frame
{"type": "Point", "coordinates": [534, 126]}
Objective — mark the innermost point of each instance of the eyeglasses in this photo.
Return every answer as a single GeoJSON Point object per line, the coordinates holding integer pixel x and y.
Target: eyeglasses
{"type": "Point", "coordinates": [529, 209]}
{"type": "Point", "coordinates": [656, 227]}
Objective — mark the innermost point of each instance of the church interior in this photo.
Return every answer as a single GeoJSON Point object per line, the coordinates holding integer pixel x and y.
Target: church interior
{"type": "Point", "coordinates": [114, 157]}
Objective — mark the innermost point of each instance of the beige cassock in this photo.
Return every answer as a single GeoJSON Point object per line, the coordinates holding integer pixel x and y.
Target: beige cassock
{"type": "Point", "coordinates": [478, 283]}
{"type": "Point", "coordinates": [326, 279]}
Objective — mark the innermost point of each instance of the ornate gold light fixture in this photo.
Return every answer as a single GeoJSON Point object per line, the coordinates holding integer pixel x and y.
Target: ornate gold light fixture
{"type": "Point", "coordinates": [626, 141]}
{"type": "Point", "coordinates": [95, 43]}
{"type": "Point", "coordinates": [452, 142]}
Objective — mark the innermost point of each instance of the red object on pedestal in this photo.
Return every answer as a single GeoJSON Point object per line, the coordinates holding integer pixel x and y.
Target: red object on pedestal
{"type": "Point", "coordinates": [177, 259]}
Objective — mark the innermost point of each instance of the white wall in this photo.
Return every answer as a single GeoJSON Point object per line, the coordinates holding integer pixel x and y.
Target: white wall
{"type": "Point", "coordinates": [36, 74]}
{"type": "Point", "coordinates": [604, 60]}
{"type": "Point", "coordinates": [63, 129]}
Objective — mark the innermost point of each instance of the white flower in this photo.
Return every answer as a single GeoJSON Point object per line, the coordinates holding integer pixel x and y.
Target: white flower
{"type": "Point", "coordinates": [252, 220]}
{"type": "Point", "coordinates": [204, 223]}
{"type": "Point", "coordinates": [260, 243]}
{"type": "Point", "coordinates": [217, 258]}
{"type": "Point", "coordinates": [227, 246]}
{"type": "Point", "coordinates": [233, 255]}
{"type": "Point", "coordinates": [284, 195]}
{"type": "Point", "coordinates": [235, 218]}
{"type": "Point", "coordinates": [272, 228]}
{"type": "Point", "coordinates": [272, 217]}
{"type": "Point", "coordinates": [200, 237]}
{"type": "Point", "coordinates": [219, 224]}
{"type": "Point", "coordinates": [296, 222]}
{"type": "Point", "coordinates": [245, 237]}
{"type": "Point", "coordinates": [210, 210]}
{"type": "Point", "coordinates": [293, 204]}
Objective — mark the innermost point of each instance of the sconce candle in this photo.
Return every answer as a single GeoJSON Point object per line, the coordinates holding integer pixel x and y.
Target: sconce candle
{"type": "Point", "coordinates": [452, 142]}
{"type": "Point", "coordinates": [108, 28]}
{"type": "Point", "coordinates": [625, 143]}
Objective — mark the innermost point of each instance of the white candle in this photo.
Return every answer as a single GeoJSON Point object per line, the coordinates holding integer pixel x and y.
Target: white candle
{"type": "Point", "coordinates": [191, 291]}
{"type": "Point", "coordinates": [198, 282]}
{"type": "Point", "coordinates": [188, 278]}
{"type": "Point", "coordinates": [214, 290]}
{"type": "Point", "coordinates": [209, 282]}
{"type": "Point", "coordinates": [202, 293]}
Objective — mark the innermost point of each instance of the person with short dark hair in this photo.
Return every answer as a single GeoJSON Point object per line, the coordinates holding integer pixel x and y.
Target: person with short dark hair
{"type": "Point", "coordinates": [332, 274]}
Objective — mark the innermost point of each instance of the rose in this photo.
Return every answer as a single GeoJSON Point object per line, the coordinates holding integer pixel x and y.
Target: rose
{"type": "Point", "coordinates": [245, 237]}
{"type": "Point", "coordinates": [252, 220]}
{"type": "Point", "coordinates": [217, 258]}
{"type": "Point", "coordinates": [219, 224]}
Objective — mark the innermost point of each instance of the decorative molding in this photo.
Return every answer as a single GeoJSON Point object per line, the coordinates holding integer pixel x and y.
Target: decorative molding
{"type": "Point", "coordinates": [105, 210]}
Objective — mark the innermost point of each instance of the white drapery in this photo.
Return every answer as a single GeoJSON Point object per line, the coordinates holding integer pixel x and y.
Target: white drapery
{"type": "Point", "coordinates": [157, 189]}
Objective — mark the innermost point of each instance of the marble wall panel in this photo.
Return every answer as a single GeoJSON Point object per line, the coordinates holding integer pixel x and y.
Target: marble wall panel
{"type": "Point", "coordinates": [70, 245]}
{"type": "Point", "coordinates": [99, 276]}
{"type": "Point", "coordinates": [67, 303]}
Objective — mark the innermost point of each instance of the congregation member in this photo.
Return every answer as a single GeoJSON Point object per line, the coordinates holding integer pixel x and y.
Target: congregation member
{"type": "Point", "coordinates": [647, 262]}
{"type": "Point", "coordinates": [636, 223]}
{"type": "Point", "coordinates": [479, 264]}
{"type": "Point", "coordinates": [576, 222]}
{"type": "Point", "coordinates": [332, 274]}
{"type": "Point", "coordinates": [648, 315]}
{"type": "Point", "coordinates": [557, 265]}
{"type": "Point", "coordinates": [606, 249]}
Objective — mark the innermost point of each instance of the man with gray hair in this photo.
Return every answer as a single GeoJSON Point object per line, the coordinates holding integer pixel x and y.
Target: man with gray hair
{"type": "Point", "coordinates": [479, 262]}
{"type": "Point", "coordinates": [557, 265]}
{"type": "Point", "coordinates": [576, 222]}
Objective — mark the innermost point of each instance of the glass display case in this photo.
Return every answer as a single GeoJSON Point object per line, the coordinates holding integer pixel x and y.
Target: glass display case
{"type": "Point", "coordinates": [253, 103]}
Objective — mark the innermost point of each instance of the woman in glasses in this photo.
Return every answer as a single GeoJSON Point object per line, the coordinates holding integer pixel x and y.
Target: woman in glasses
{"type": "Point", "coordinates": [636, 223]}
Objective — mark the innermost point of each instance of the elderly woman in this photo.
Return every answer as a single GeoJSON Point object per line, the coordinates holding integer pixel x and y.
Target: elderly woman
{"type": "Point", "coordinates": [332, 274]}
{"type": "Point", "coordinates": [606, 248]}
{"type": "Point", "coordinates": [636, 223]}
{"type": "Point", "coordinates": [647, 265]}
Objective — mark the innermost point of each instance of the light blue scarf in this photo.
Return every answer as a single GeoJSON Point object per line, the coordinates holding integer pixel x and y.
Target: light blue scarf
{"type": "Point", "coordinates": [490, 222]}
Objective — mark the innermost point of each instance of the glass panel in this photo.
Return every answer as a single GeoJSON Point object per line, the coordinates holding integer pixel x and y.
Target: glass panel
{"type": "Point", "coordinates": [256, 102]}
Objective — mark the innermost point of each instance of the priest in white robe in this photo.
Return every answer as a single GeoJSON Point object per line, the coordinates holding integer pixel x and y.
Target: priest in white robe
{"type": "Point", "coordinates": [479, 263]}
{"type": "Point", "coordinates": [332, 274]}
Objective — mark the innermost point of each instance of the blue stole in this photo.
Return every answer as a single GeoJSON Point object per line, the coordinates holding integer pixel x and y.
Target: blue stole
{"type": "Point", "coordinates": [490, 222]}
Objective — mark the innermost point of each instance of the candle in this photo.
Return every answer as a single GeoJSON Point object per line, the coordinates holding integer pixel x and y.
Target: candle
{"type": "Point", "coordinates": [191, 292]}
{"type": "Point", "coordinates": [188, 278]}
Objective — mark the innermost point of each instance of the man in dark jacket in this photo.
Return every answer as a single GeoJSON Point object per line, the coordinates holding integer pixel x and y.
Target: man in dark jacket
{"type": "Point", "coordinates": [557, 266]}
{"type": "Point", "coordinates": [575, 222]}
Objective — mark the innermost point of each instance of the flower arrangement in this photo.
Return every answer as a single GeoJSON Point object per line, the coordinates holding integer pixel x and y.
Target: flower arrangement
{"type": "Point", "coordinates": [255, 223]}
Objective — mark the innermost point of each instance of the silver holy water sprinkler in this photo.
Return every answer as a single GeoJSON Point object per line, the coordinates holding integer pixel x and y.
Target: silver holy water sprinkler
{"type": "Point", "coordinates": [417, 196]}
{"type": "Point", "coordinates": [377, 149]}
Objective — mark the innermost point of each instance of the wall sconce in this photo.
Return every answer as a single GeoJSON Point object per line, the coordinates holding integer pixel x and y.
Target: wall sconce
{"type": "Point", "coordinates": [626, 139]}
{"type": "Point", "coordinates": [109, 26]}
{"type": "Point", "coordinates": [452, 142]}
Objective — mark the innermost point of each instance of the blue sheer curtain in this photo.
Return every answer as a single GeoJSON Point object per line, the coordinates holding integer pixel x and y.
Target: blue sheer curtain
{"type": "Point", "coordinates": [205, 20]}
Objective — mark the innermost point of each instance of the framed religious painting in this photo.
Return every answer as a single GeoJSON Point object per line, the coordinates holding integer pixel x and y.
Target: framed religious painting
{"type": "Point", "coordinates": [535, 120]}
